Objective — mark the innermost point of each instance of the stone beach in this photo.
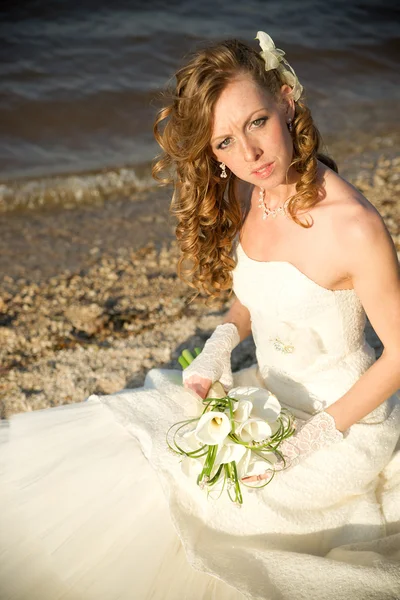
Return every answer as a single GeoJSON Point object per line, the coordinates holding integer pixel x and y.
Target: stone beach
{"type": "Point", "coordinates": [90, 299]}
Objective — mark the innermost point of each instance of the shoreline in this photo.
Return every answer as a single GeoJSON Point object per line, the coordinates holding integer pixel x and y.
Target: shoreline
{"type": "Point", "coordinates": [90, 300]}
{"type": "Point", "coordinates": [74, 190]}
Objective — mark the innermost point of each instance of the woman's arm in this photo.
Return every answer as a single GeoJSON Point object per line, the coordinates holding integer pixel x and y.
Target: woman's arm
{"type": "Point", "coordinates": [375, 272]}
{"type": "Point", "coordinates": [367, 248]}
{"type": "Point", "coordinates": [374, 269]}
{"type": "Point", "coordinates": [214, 363]}
{"type": "Point", "coordinates": [240, 316]}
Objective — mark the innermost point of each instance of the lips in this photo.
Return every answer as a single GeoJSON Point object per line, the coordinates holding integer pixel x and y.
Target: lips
{"type": "Point", "coordinates": [264, 170]}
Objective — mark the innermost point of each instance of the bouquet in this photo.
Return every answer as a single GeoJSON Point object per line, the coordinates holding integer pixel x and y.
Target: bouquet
{"type": "Point", "coordinates": [236, 435]}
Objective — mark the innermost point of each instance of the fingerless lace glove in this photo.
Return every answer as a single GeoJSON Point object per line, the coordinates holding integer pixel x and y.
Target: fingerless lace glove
{"type": "Point", "coordinates": [214, 362]}
{"type": "Point", "coordinates": [316, 433]}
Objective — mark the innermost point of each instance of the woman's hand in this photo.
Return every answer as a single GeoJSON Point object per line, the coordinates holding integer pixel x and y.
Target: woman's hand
{"type": "Point", "coordinates": [316, 433]}
{"type": "Point", "coordinates": [200, 385]}
{"type": "Point", "coordinates": [214, 362]}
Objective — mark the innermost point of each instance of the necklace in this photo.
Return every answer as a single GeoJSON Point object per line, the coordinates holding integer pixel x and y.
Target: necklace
{"type": "Point", "coordinates": [270, 212]}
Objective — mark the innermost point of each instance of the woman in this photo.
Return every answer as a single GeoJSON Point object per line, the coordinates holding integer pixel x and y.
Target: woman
{"type": "Point", "coordinates": [258, 207]}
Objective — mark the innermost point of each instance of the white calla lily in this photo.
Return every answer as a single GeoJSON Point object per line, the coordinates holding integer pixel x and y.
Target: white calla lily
{"type": "Point", "coordinates": [213, 427]}
{"type": "Point", "coordinates": [242, 393]}
{"type": "Point", "coordinates": [230, 451]}
{"type": "Point", "coordinates": [264, 404]}
{"type": "Point", "coordinates": [254, 430]}
{"type": "Point", "coordinates": [243, 465]}
{"type": "Point", "coordinates": [242, 411]}
{"type": "Point", "coordinates": [191, 440]}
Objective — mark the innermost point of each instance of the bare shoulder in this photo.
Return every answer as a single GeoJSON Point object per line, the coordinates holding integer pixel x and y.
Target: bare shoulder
{"type": "Point", "coordinates": [356, 226]}
{"type": "Point", "coordinates": [345, 204]}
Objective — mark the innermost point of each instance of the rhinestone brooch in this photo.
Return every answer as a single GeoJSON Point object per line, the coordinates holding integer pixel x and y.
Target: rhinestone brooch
{"type": "Point", "coordinates": [282, 347]}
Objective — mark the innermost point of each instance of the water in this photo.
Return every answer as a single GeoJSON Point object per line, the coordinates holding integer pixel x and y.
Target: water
{"type": "Point", "coordinates": [79, 81]}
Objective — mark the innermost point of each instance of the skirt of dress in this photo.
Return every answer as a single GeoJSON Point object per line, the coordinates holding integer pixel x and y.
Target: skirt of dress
{"type": "Point", "coordinates": [93, 507]}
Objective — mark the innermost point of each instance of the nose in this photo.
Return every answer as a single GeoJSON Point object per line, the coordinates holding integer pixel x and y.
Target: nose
{"type": "Point", "coordinates": [251, 151]}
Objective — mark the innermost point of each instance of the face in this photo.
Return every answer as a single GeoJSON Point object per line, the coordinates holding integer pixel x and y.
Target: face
{"type": "Point", "coordinates": [250, 133]}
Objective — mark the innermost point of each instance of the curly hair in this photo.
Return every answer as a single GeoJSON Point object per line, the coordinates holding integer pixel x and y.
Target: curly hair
{"type": "Point", "coordinates": [206, 207]}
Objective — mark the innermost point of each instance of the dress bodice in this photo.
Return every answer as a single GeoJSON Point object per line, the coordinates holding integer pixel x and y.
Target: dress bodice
{"type": "Point", "coordinates": [310, 341]}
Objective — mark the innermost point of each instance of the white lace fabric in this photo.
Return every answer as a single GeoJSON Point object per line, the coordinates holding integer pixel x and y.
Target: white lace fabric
{"type": "Point", "coordinates": [310, 341]}
{"type": "Point", "coordinates": [214, 362]}
{"type": "Point", "coordinates": [318, 432]}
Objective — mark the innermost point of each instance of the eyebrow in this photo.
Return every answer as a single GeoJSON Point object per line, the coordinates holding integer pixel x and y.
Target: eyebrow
{"type": "Point", "coordinates": [222, 137]}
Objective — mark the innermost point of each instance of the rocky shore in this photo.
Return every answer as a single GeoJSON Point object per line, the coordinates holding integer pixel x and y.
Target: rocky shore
{"type": "Point", "coordinates": [98, 330]}
{"type": "Point", "coordinates": [99, 323]}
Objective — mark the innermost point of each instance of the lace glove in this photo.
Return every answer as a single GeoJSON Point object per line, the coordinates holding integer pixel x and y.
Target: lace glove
{"type": "Point", "coordinates": [316, 433]}
{"type": "Point", "coordinates": [214, 362]}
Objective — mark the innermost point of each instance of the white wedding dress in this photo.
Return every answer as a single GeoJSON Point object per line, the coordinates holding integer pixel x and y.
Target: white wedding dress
{"type": "Point", "coordinates": [94, 507]}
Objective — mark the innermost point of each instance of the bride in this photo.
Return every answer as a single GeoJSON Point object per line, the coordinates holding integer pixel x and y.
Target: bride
{"type": "Point", "coordinates": [93, 506]}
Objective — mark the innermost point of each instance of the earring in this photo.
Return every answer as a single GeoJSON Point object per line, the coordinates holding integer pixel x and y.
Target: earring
{"type": "Point", "coordinates": [290, 126]}
{"type": "Point", "coordinates": [223, 171]}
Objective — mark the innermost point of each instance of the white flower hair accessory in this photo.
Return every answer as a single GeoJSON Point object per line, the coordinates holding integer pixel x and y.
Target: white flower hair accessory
{"type": "Point", "coordinates": [273, 58]}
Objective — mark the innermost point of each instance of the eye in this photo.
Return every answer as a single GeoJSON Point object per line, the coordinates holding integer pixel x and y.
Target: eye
{"type": "Point", "coordinates": [259, 122]}
{"type": "Point", "coordinates": [223, 144]}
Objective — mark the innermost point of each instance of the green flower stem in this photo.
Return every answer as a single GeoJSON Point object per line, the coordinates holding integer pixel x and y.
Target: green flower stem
{"type": "Point", "coordinates": [183, 362]}
{"type": "Point", "coordinates": [208, 464]}
{"type": "Point", "coordinates": [230, 407]}
{"type": "Point", "coordinates": [239, 497]}
{"type": "Point", "coordinates": [188, 356]}
{"type": "Point", "coordinates": [231, 473]}
{"type": "Point", "coordinates": [215, 477]}
{"type": "Point", "coordinates": [178, 426]}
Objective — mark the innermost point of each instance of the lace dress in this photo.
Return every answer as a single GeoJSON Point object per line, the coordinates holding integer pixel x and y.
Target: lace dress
{"type": "Point", "coordinates": [93, 506]}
